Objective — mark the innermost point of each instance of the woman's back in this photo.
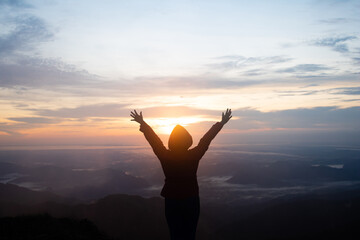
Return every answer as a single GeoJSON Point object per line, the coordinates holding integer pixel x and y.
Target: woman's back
{"type": "Point", "coordinates": [180, 174]}
{"type": "Point", "coordinates": [178, 163]}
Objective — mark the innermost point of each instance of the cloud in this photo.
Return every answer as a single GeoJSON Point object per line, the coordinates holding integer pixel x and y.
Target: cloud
{"type": "Point", "coordinates": [15, 3]}
{"type": "Point", "coordinates": [347, 91]}
{"type": "Point", "coordinates": [9, 129]}
{"type": "Point", "coordinates": [19, 66]}
{"type": "Point", "coordinates": [254, 72]}
{"type": "Point", "coordinates": [336, 91]}
{"type": "Point", "coordinates": [209, 83]}
{"type": "Point", "coordinates": [37, 72]}
{"type": "Point", "coordinates": [27, 33]}
{"type": "Point", "coordinates": [337, 44]}
{"type": "Point", "coordinates": [308, 75]}
{"type": "Point", "coordinates": [304, 68]}
{"type": "Point", "coordinates": [357, 60]}
{"type": "Point", "coordinates": [317, 118]}
{"type": "Point", "coordinates": [231, 62]}
{"type": "Point", "coordinates": [25, 123]}
{"type": "Point", "coordinates": [120, 110]}
{"type": "Point", "coordinates": [334, 21]}
{"type": "Point", "coordinates": [177, 85]}
{"type": "Point", "coordinates": [310, 85]}
{"type": "Point", "coordinates": [298, 92]}
{"type": "Point", "coordinates": [33, 120]}
{"type": "Point", "coordinates": [352, 100]}
{"type": "Point", "coordinates": [86, 111]}
{"type": "Point", "coordinates": [249, 122]}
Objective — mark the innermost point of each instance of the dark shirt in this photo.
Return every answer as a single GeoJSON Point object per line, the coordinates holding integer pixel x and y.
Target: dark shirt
{"type": "Point", "coordinates": [180, 167]}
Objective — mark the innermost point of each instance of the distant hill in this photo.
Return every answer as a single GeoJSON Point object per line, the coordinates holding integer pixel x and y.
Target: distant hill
{"type": "Point", "coordinates": [324, 216]}
{"type": "Point", "coordinates": [19, 195]}
{"type": "Point", "coordinates": [82, 184]}
{"type": "Point", "coordinates": [291, 173]}
{"type": "Point", "coordinates": [6, 168]}
{"type": "Point", "coordinates": [121, 216]}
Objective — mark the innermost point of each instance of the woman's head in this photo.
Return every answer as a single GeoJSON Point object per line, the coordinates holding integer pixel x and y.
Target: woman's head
{"type": "Point", "coordinates": [180, 139]}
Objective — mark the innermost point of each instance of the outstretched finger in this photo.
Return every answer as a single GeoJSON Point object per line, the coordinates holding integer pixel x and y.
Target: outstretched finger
{"type": "Point", "coordinates": [136, 112]}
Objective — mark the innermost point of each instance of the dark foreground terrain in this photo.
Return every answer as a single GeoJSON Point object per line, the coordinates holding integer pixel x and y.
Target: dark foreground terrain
{"type": "Point", "coordinates": [27, 214]}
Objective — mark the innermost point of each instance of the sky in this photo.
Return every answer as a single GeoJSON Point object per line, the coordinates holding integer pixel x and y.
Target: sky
{"type": "Point", "coordinates": [71, 71]}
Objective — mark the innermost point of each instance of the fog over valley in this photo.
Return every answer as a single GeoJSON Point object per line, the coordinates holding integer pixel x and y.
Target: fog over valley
{"type": "Point", "coordinates": [231, 174]}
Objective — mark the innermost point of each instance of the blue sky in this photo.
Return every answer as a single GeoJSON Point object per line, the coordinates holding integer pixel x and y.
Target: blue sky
{"type": "Point", "coordinates": [77, 67]}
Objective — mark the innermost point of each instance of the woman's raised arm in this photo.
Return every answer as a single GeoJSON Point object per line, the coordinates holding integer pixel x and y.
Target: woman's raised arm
{"type": "Point", "coordinates": [153, 139]}
{"type": "Point", "coordinates": [205, 141]}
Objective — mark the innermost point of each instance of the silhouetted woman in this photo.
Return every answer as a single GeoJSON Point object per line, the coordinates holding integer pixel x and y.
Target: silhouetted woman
{"type": "Point", "coordinates": [180, 164]}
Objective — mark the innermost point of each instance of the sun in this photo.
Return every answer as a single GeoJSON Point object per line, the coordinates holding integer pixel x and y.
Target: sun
{"type": "Point", "coordinates": [166, 125]}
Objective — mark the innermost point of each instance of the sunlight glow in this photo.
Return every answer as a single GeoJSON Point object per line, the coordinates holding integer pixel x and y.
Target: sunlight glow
{"type": "Point", "coordinates": [166, 125]}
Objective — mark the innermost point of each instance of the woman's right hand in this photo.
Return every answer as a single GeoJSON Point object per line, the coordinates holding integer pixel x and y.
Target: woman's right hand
{"type": "Point", "coordinates": [137, 117]}
{"type": "Point", "coordinates": [226, 117]}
